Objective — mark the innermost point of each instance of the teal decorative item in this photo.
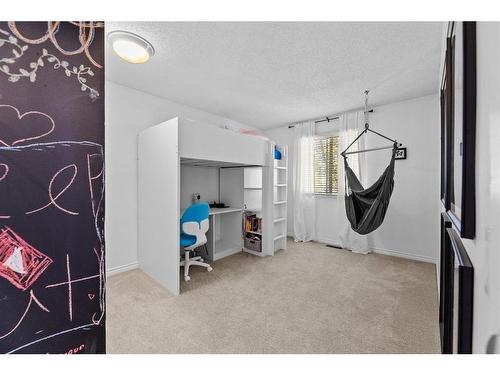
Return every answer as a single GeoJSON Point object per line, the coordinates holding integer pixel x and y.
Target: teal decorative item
{"type": "Point", "coordinates": [277, 153]}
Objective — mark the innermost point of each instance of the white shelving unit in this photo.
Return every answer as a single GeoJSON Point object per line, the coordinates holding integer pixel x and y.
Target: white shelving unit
{"type": "Point", "coordinates": [253, 194]}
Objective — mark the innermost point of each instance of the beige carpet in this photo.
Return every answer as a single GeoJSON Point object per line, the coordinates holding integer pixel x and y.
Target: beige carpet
{"type": "Point", "coordinates": [307, 299]}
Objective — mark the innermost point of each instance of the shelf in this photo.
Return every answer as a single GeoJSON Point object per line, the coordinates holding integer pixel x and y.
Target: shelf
{"type": "Point", "coordinates": [282, 168]}
{"type": "Point", "coordinates": [254, 209]}
{"type": "Point", "coordinates": [279, 219]}
{"type": "Point", "coordinates": [225, 248]}
{"type": "Point", "coordinates": [280, 185]}
{"type": "Point", "coordinates": [280, 202]}
{"type": "Point", "coordinates": [252, 232]}
{"type": "Point", "coordinates": [252, 188]}
{"type": "Point", "coordinates": [279, 237]}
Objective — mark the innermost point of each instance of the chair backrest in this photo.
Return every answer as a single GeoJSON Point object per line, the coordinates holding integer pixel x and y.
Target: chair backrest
{"type": "Point", "coordinates": [194, 222]}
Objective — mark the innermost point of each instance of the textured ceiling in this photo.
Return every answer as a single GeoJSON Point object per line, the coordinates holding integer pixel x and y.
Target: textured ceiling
{"type": "Point", "coordinates": [270, 74]}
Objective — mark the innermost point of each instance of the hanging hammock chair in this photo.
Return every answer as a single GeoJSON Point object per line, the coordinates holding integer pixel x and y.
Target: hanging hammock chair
{"type": "Point", "coordinates": [366, 208]}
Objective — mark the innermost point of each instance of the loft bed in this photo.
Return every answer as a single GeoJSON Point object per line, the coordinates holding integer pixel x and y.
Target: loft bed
{"type": "Point", "coordinates": [203, 142]}
{"type": "Point", "coordinates": [162, 150]}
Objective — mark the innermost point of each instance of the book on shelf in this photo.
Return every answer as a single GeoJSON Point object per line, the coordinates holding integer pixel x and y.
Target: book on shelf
{"type": "Point", "coordinates": [253, 223]}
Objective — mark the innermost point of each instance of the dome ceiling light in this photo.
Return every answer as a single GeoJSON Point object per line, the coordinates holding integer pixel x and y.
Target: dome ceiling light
{"type": "Point", "coordinates": [131, 47]}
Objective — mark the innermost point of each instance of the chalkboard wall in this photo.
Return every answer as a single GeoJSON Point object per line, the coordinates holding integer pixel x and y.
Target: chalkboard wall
{"type": "Point", "coordinates": [52, 272]}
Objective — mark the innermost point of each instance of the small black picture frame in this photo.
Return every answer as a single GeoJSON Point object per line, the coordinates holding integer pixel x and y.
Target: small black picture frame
{"type": "Point", "coordinates": [400, 153]}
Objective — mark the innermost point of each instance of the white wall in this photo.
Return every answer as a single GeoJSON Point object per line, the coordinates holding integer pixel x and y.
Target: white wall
{"type": "Point", "coordinates": [128, 112]}
{"type": "Point", "coordinates": [410, 228]}
{"type": "Point", "coordinates": [199, 180]}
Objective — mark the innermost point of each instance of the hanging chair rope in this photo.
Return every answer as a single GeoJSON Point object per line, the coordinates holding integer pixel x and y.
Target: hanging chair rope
{"type": "Point", "coordinates": [366, 107]}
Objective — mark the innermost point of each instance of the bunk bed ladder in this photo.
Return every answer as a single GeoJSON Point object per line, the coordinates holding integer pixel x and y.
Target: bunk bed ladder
{"type": "Point", "coordinates": [274, 201]}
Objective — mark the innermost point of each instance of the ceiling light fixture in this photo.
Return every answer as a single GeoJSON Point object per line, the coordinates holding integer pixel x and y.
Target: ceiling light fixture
{"type": "Point", "coordinates": [131, 47]}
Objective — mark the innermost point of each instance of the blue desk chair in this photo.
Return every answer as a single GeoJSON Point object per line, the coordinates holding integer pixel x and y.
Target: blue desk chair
{"type": "Point", "coordinates": [194, 226]}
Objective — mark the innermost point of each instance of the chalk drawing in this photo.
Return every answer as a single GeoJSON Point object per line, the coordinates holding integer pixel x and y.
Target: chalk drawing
{"type": "Point", "coordinates": [32, 261]}
{"type": "Point", "coordinates": [86, 31]}
{"type": "Point", "coordinates": [23, 256]}
{"type": "Point", "coordinates": [6, 170]}
{"type": "Point", "coordinates": [95, 320]}
{"type": "Point", "coordinates": [32, 299]}
{"type": "Point", "coordinates": [82, 73]}
{"type": "Point", "coordinates": [92, 178]}
{"type": "Point", "coordinates": [52, 198]}
{"type": "Point", "coordinates": [93, 175]}
{"type": "Point", "coordinates": [51, 125]}
{"type": "Point", "coordinates": [70, 289]}
{"type": "Point", "coordinates": [73, 281]}
{"type": "Point", "coordinates": [15, 261]}
{"type": "Point", "coordinates": [2, 177]}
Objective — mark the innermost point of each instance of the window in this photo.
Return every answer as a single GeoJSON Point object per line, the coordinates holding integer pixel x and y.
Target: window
{"type": "Point", "coordinates": [326, 165]}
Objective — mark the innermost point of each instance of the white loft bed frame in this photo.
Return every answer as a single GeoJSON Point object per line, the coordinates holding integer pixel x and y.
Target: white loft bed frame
{"type": "Point", "coordinates": [204, 142]}
{"type": "Point", "coordinates": [162, 149]}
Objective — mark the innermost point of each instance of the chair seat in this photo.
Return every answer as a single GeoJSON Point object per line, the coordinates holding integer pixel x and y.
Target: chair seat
{"type": "Point", "coordinates": [187, 240]}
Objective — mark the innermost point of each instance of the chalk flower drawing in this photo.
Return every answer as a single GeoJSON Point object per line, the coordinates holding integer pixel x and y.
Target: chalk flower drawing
{"type": "Point", "coordinates": [81, 73]}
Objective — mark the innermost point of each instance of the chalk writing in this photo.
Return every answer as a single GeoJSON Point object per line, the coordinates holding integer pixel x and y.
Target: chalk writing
{"type": "Point", "coordinates": [76, 350]}
{"type": "Point", "coordinates": [52, 198]}
{"type": "Point", "coordinates": [92, 178]}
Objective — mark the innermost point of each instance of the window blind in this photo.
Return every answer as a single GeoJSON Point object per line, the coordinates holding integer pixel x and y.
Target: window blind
{"type": "Point", "coordinates": [326, 165]}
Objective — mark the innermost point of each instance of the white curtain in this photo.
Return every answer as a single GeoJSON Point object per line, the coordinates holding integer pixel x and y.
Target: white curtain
{"type": "Point", "coordinates": [304, 205]}
{"type": "Point", "coordinates": [351, 124]}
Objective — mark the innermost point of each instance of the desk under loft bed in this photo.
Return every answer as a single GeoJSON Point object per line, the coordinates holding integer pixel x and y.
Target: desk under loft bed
{"type": "Point", "coordinates": [163, 149]}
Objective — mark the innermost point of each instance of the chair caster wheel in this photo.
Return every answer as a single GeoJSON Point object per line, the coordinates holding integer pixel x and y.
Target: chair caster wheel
{"type": "Point", "coordinates": [187, 278]}
{"type": "Point", "coordinates": [209, 269]}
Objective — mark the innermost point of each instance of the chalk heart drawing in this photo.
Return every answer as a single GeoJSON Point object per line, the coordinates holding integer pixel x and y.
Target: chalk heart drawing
{"type": "Point", "coordinates": [91, 296]}
{"type": "Point", "coordinates": [17, 128]}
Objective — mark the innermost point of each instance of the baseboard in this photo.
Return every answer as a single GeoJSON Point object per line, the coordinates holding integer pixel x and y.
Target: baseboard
{"type": "Point", "coordinates": [400, 254]}
{"type": "Point", "coordinates": [123, 268]}
{"type": "Point", "coordinates": [394, 253]}
{"type": "Point", "coordinates": [328, 241]}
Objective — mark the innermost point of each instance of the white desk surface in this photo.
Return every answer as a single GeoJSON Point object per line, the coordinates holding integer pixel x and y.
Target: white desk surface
{"type": "Point", "coordinates": [218, 211]}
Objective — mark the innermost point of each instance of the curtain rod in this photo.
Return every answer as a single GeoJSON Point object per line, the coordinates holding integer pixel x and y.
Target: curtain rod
{"type": "Point", "coordinates": [326, 119]}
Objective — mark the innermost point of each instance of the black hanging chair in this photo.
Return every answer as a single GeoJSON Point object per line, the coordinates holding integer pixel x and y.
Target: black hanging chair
{"type": "Point", "coordinates": [366, 208]}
